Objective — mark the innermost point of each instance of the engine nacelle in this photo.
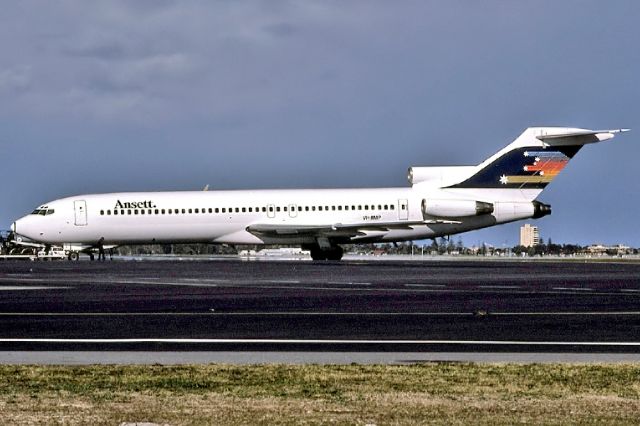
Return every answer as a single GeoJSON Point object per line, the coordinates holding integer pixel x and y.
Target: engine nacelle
{"type": "Point", "coordinates": [440, 175]}
{"type": "Point", "coordinates": [455, 208]}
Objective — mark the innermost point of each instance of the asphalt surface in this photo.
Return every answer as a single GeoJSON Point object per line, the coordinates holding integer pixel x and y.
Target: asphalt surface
{"type": "Point", "coordinates": [235, 306]}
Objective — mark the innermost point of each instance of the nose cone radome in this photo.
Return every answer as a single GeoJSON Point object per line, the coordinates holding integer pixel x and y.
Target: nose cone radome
{"type": "Point", "coordinates": [22, 227]}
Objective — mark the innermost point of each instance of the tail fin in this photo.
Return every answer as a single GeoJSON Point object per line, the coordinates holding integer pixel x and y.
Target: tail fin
{"type": "Point", "coordinates": [534, 159]}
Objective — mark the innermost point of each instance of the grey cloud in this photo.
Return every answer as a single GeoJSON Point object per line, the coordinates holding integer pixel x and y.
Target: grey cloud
{"type": "Point", "coordinates": [15, 79]}
{"type": "Point", "coordinates": [282, 29]}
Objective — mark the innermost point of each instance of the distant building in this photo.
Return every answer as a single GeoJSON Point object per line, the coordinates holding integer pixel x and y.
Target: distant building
{"type": "Point", "coordinates": [529, 235]}
{"type": "Point", "coordinates": [618, 249]}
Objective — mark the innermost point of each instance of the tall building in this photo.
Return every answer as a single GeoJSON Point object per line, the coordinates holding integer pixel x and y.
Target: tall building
{"type": "Point", "coordinates": [529, 235]}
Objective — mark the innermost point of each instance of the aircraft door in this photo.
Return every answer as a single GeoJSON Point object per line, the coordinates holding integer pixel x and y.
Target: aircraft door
{"type": "Point", "coordinates": [80, 212]}
{"type": "Point", "coordinates": [403, 209]}
{"type": "Point", "coordinates": [271, 210]}
{"type": "Point", "coordinates": [293, 210]}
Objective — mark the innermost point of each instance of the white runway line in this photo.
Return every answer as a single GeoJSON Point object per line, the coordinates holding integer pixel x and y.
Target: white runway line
{"type": "Point", "coordinates": [23, 288]}
{"type": "Point", "coordinates": [311, 314]}
{"type": "Point", "coordinates": [426, 285]}
{"type": "Point", "coordinates": [506, 287]}
{"type": "Point", "coordinates": [573, 288]}
{"type": "Point", "coordinates": [321, 342]}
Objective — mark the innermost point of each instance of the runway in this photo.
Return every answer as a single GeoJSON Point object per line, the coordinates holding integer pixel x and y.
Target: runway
{"type": "Point", "coordinates": [233, 306]}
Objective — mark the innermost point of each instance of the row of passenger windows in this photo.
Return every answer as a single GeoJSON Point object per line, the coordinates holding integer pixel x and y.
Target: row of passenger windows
{"type": "Point", "coordinates": [270, 209]}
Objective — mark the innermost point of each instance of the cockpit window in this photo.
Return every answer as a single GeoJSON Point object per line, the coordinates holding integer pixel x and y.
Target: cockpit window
{"type": "Point", "coordinates": [43, 212]}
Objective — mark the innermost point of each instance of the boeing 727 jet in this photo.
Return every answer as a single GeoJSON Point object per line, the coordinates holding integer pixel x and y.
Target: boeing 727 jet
{"type": "Point", "coordinates": [440, 201]}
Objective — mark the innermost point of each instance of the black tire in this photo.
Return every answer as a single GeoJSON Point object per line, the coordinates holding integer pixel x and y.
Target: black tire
{"type": "Point", "coordinates": [318, 254]}
{"type": "Point", "coordinates": [335, 253]}
{"type": "Point", "coordinates": [74, 256]}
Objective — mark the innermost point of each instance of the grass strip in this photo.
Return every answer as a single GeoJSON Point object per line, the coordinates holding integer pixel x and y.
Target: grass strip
{"type": "Point", "coordinates": [437, 393]}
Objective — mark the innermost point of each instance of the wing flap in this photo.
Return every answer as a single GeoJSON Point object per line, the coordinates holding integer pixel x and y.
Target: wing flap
{"type": "Point", "coordinates": [338, 229]}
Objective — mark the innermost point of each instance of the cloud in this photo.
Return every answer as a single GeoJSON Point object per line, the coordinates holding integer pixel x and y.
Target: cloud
{"type": "Point", "coordinates": [15, 80]}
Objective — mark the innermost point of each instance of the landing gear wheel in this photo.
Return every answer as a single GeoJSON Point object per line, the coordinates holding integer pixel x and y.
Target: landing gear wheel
{"type": "Point", "coordinates": [318, 254]}
{"type": "Point", "coordinates": [74, 255]}
{"type": "Point", "coordinates": [333, 253]}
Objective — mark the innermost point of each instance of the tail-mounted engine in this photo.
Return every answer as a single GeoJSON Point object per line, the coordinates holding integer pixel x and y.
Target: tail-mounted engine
{"type": "Point", "coordinates": [455, 208]}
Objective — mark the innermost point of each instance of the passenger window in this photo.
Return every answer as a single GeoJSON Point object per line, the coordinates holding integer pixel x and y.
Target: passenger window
{"type": "Point", "coordinates": [217, 210]}
{"type": "Point", "coordinates": [306, 208]}
{"type": "Point", "coordinates": [108, 212]}
{"type": "Point", "coordinates": [277, 209]}
{"type": "Point", "coordinates": [313, 208]}
{"type": "Point", "coordinates": [101, 212]}
{"type": "Point", "coordinates": [333, 207]}
{"type": "Point", "coordinates": [270, 209]}
{"type": "Point", "coordinates": [197, 210]}
{"type": "Point", "coordinates": [237, 210]}
{"type": "Point", "coordinates": [128, 211]}
{"type": "Point", "coordinates": [339, 207]}
{"type": "Point", "coordinates": [115, 212]}
{"type": "Point", "coordinates": [285, 208]}
{"type": "Point", "coordinates": [359, 207]}
{"type": "Point", "coordinates": [366, 207]}
{"type": "Point", "coordinates": [320, 208]}
{"type": "Point", "coordinates": [379, 207]}
{"type": "Point", "coordinates": [141, 211]}
{"type": "Point", "coordinates": [156, 211]}
{"type": "Point", "coordinates": [122, 212]}
{"type": "Point", "coordinates": [299, 208]}
{"type": "Point", "coordinates": [135, 211]}
{"type": "Point", "coordinates": [190, 211]}
{"type": "Point", "coordinates": [224, 210]}
{"type": "Point", "coordinates": [210, 210]}
{"type": "Point", "coordinates": [392, 207]}
{"type": "Point", "coordinates": [353, 207]}
{"type": "Point", "coordinates": [403, 207]}
{"type": "Point", "coordinates": [244, 210]}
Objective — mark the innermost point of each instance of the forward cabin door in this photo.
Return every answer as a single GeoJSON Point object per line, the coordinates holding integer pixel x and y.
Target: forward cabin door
{"type": "Point", "coordinates": [293, 210]}
{"type": "Point", "coordinates": [403, 209]}
{"type": "Point", "coordinates": [80, 209]}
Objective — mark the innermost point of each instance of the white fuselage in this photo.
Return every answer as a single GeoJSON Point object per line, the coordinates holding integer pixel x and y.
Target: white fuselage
{"type": "Point", "coordinates": [224, 216]}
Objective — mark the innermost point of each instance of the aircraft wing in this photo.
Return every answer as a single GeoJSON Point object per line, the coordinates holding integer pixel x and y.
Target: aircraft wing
{"type": "Point", "coordinates": [336, 230]}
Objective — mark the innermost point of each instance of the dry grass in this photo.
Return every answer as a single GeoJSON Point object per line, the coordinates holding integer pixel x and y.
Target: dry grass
{"type": "Point", "coordinates": [439, 393]}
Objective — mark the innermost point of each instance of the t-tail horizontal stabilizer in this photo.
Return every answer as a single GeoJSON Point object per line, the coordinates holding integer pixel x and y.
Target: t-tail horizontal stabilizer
{"type": "Point", "coordinates": [534, 159]}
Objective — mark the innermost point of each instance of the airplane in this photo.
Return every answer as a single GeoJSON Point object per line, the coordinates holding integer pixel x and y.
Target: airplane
{"type": "Point", "coordinates": [440, 201]}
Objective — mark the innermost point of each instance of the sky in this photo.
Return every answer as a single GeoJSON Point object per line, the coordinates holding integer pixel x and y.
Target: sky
{"type": "Point", "coordinates": [152, 95]}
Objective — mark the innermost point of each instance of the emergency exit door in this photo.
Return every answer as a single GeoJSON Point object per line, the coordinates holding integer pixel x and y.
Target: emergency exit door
{"type": "Point", "coordinates": [403, 209]}
{"type": "Point", "coordinates": [80, 209]}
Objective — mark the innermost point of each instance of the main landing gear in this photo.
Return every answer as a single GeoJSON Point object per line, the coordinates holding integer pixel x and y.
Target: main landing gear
{"type": "Point", "coordinates": [329, 253]}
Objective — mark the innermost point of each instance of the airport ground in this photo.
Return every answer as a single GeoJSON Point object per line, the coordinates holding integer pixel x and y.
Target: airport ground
{"type": "Point", "coordinates": [380, 325]}
{"type": "Point", "coordinates": [229, 310]}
